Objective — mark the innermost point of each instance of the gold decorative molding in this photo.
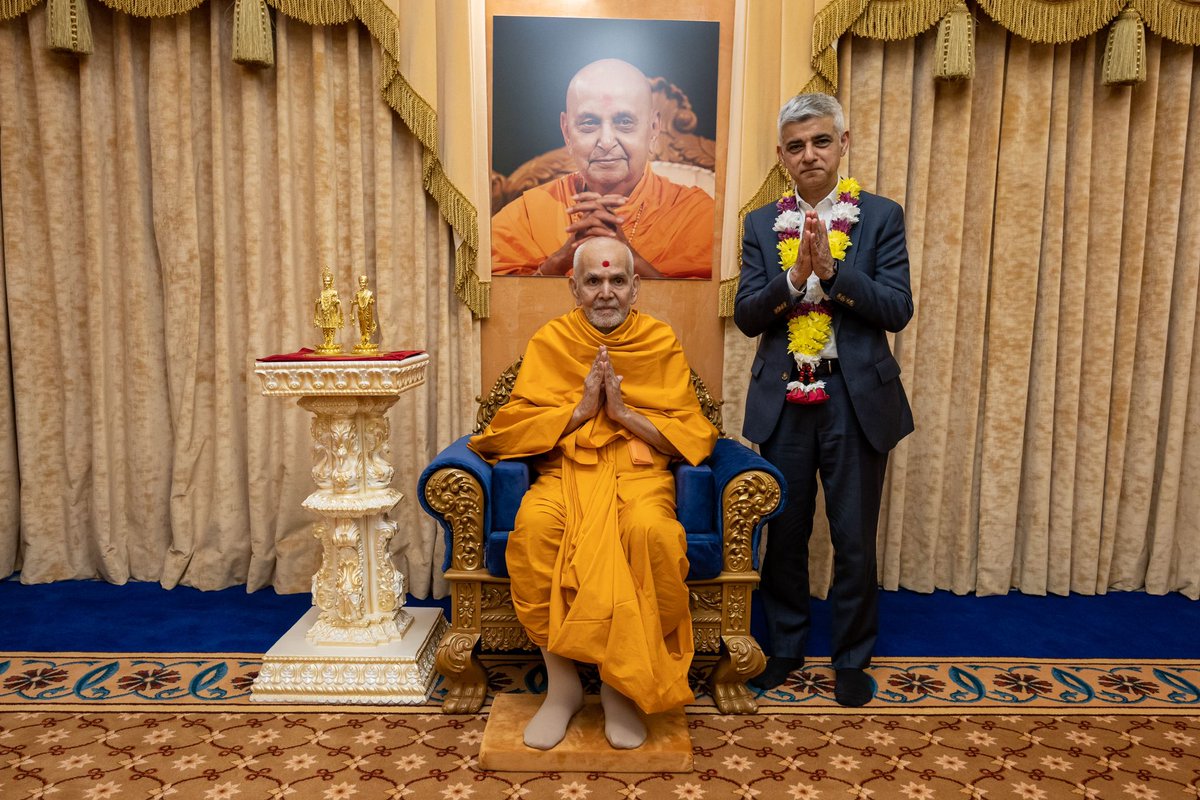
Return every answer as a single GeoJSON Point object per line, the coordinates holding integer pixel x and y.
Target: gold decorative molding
{"type": "Point", "coordinates": [746, 500]}
{"type": "Point", "coordinates": [466, 679]}
{"type": "Point", "coordinates": [350, 378]}
{"type": "Point", "coordinates": [497, 396]}
{"type": "Point", "coordinates": [740, 661]}
{"type": "Point", "coordinates": [709, 406]}
{"type": "Point", "coordinates": [458, 497]}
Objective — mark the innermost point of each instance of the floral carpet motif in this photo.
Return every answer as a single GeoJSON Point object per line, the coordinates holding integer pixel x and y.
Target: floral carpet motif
{"type": "Point", "coordinates": [93, 727]}
{"type": "Point", "coordinates": [929, 686]}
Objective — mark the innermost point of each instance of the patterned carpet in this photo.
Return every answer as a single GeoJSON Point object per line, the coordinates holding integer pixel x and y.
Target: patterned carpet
{"type": "Point", "coordinates": [99, 726]}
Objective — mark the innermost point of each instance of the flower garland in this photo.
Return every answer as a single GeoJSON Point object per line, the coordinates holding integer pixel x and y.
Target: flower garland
{"type": "Point", "coordinates": [811, 324]}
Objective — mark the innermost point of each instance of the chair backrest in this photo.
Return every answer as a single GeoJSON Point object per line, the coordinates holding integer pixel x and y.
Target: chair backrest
{"type": "Point", "coordinates": [677, 143]}
{"type": "Point", "coordinates": [502, 389]}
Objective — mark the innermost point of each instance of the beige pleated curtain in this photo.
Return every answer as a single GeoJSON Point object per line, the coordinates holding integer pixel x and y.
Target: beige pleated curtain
{"type": "Point", "coordinates": [166, 213]}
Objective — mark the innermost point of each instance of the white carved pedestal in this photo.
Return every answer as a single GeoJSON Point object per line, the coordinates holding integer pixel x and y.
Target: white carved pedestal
{"type": "Point", "coordinates": [358, 644]}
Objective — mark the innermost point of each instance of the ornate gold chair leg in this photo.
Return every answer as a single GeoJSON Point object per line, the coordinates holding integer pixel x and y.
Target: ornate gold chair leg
{"type": "Point", "coordinates": [466, 677]}
{"type": "Point", "coordinates": [741, 659]}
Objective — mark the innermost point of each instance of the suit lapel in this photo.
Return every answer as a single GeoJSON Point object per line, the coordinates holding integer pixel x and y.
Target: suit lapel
{"type": "Point", "coordinates": [851, 256]}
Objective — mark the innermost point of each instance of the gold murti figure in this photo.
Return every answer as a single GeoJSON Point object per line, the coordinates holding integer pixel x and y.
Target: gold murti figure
{"type": "Point", "coordinates": [328, 316]}
{"type": "Point", "coordinates": [362, 310]}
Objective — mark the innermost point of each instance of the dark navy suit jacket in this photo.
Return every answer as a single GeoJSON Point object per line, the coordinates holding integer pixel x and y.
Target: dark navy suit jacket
{"type": "Point", "coordinates": [870, 295]}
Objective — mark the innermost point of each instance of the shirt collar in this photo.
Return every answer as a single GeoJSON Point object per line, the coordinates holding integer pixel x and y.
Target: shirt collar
{"type": "Point", "coordinates": [824, 204]}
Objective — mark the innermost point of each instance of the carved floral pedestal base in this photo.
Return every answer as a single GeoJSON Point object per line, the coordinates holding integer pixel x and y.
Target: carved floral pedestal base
{"type": "Point", "coordinates": [400, 672]}
{"type": "Point", "coordinates": [359, 644]}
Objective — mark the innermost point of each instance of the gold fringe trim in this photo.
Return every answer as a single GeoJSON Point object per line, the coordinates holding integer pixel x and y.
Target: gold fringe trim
{"type": "Point", "coordinates": [473, 293]}
{"type": "Point", "coordinates": [153, 8]}
{"type": "Point", "coordinates": [1171, 19]}
{"type": "Point", "coordinates": [316, 12]}
{"type": "Point", "coordinates": [69, 29]}
{"type": "Point", "coordinates": [892, 20]}
{"type": "Point", "coordinates": [825, 66]}
{"type": "Point", "coordinates": [253, 39]}
{"type": "Point", "coordinates": [1125, 51]}
{"type": "Point", "coordinates": [381, 22]}
{"type": "Point", "coordinates": [454, 206]}
{"type": "Point", "coordinates": [817, 83]}
{"type": "Point", "coordinates": [772, 187]}
{"type": "Point", "coordinates": [1052, 21]}
{"type": "Point", "coordinates": [11, 9]}
{"type": "Point", "coordinates": [955, 55]}
{"type": "Point", "coordinates": [828, 26]}
{"type": "Point", "coordinates": [725, 298]}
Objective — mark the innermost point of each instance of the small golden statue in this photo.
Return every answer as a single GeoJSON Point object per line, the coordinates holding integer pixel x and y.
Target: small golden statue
{"type": "Point", "coordinates": [362, 310]}
{"type": "Point", "coordinates": [328, 316]}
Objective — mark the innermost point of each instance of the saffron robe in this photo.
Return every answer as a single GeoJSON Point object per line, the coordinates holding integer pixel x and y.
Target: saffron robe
{"type": "Point", "coordinates": [669, 225]}
{"type": "Point", "coordinates": [597, 558]}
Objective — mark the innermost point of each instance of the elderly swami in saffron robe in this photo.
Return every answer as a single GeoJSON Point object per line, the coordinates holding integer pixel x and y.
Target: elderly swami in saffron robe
{"type": "Point", "coordinates": [597, 559]}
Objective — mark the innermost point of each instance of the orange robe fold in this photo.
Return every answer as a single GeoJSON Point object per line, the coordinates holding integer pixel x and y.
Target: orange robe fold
{"type": "Point", "coordinates": [597, 558]}
{"type": "Point", "coordinates": [669, 225]}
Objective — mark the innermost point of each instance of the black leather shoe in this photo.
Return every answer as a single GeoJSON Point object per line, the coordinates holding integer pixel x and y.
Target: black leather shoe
{"type": "Point", "coordinates": [853, 688]}
{"type": "Point", "coordinates": [777, 671]}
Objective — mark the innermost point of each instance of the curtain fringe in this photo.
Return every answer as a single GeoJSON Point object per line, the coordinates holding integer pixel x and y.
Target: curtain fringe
{"type": "Point", "coordinates": [316, 12]}
{"type": "Point", "coordinates": [1052, 21]}
{"type": "Point", "coordinates": [421, 119]}
{"type": "Point", "coordinates": [1171, 19]}
{"type": "Point", "coordinates": [68, 28]}
{"type": "Point", "coordinates": [892, 21]}
{"type": "Point", "coordinates": [828, 26]}
{"type": "Point", "coordinates": [1125, 50]}
{"type": "Point", "coordinates": [956, 44]}
{"type": "Point", "coordinates": [153, 8]}
{"type": "Point", "coordinates": [772, 187]}
{"type": "Point", "coordinates": [253, 42]}
{"type": "Point", "coordinates": [11, 9]}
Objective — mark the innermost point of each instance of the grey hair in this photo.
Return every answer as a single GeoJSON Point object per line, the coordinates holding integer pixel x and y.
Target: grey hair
{"type": "Point", "coordinates": [807, 106]}
{"type": "Point", "coordinates": [624, 247]}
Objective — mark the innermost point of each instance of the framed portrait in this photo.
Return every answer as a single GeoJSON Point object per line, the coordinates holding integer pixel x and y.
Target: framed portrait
{"type": "Point", "coordinates": [604, 126]}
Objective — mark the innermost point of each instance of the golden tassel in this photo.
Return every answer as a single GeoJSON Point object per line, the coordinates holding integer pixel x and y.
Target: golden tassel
{"type": "Point", "coordinates": [69, 28]}
{"type": "Point", "coordinates": [956, 44]}
{"type": "Point", "coordinates": [252, 41]}
{"type": "Point", "coordinates": [1125, 52]}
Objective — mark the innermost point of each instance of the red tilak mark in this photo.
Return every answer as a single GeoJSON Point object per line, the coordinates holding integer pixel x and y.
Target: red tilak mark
{"type": "Point", "coordinates": [604, 263]}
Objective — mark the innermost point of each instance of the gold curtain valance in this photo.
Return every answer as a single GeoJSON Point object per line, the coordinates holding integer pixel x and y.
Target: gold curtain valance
{"type": "Point", "coordinates": [416, 112]}
{"type": "Point", "coordinates": [1042, 21]}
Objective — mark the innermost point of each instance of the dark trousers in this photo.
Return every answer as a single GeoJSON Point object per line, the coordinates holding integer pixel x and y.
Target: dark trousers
{"type": "Point", "coordinates": [824, 439]}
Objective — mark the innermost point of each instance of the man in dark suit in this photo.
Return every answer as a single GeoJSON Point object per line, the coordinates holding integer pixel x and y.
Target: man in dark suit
{"type": "Point", "coordinates": [827, 399]}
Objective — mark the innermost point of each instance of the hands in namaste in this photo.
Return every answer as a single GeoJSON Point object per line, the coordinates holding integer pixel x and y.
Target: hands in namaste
{"type": "Point", "coordinates": [814, 255]}
{"type": "Point", "coordinates": [602, 389]}
{"type": "Point", "coordinates": [594, 214]}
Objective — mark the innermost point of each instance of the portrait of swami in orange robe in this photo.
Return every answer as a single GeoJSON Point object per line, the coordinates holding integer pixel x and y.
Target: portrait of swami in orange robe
{"type": "Point", "coordinates": [609, 125]}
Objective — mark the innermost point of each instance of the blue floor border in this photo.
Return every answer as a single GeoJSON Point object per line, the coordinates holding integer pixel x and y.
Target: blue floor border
{"type": "Point", "coordinates": [137, 617]}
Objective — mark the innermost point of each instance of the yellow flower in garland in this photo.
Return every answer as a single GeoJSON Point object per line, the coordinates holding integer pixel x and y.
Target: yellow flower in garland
{"type": "Point", "coordinates": [789, 251]}
{"type": "Point", "coordinates": [838, 243]}
{"type": "Point", "coordinates": [849, 186]}
{"type": "Point", "coordinates": [808, 333]}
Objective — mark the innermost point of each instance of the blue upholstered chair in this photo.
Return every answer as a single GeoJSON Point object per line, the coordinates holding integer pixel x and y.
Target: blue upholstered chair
{"type": "Point", "coordinates": [722, 505]}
